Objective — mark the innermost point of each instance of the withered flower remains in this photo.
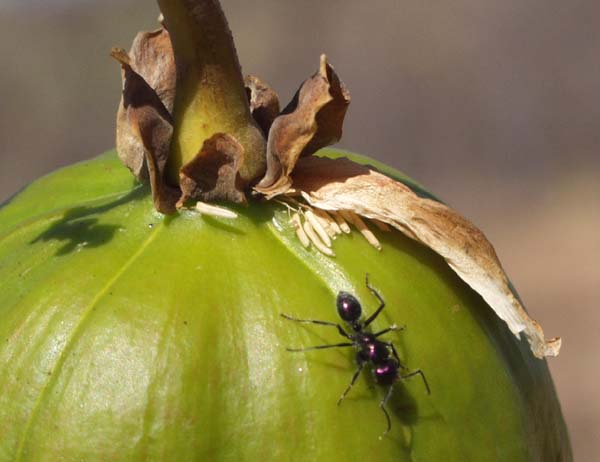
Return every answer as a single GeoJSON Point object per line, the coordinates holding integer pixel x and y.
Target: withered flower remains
{"type": "Point", "coordinates": [166, 137]}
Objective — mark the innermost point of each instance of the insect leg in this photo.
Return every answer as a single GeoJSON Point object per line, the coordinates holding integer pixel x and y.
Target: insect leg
{"type": "Point", "coordinates": [320, 347]}
{"type": "Point", "coordinates": [340, 329]}
{"type": "Point", "coordinates": [371, 318]}
{"type": "Point", "coordinates": [382, 406]}
{"type": "Point", "coordinates": [392, 328]}
{"type": "Point", "coordinates": [354, 377]}
{"type": "Point", "coordinates": [395, 353]}
{"type": "Point", "coordinates": [418, 372]}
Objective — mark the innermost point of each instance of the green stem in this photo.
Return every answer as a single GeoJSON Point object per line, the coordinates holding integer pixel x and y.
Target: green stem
{"type": "Point", "coordinates": [210, 94]}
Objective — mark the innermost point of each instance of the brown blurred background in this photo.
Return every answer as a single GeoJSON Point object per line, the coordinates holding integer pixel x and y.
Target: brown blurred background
{"type": "Point", "coordinates": [493, 104]}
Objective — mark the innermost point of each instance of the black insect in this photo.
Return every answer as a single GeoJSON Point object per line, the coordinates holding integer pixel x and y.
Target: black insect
{"type": "Point", "coordinates": [381, 356]}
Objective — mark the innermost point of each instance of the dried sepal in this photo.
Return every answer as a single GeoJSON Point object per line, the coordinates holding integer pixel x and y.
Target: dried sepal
{"type": "Point", "coordinates": [214, 173]}
{"type": "Point", "coordinates": [311, 121]}
{"type": "Point", "coordinates": [342, 185]}
{"type": "Point", "coordinates": [264, 102]}
{"type": "Point", "coordinates": [151, 57]}
{"type": "Point", "coordinates": [151, 125]}
{"type": "Point", "coordinates": [145, 130]}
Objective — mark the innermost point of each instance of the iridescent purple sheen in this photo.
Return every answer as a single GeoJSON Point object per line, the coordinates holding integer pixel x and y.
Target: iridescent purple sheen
{"type": "Point", "coordinates": [371, 349]}
{"type": "Point", "coordinates": [348, 307]}
{"type": "Point", "coordinates": [386, 372]}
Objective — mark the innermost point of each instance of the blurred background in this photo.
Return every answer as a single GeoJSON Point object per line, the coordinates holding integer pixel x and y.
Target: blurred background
{"type": "Point", "coordinates": [493, 104]}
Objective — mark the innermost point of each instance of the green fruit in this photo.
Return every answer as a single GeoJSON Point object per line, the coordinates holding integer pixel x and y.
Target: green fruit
{"type": "Point", "coordinates": [129, 336]}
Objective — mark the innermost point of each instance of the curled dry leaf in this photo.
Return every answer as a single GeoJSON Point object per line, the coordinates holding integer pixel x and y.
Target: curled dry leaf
{"type": "Point", "coordinates": [150, 125]}
{"type": "Point", "coordinates": [151, 57]}
{"type": "Point", "coordinates": [214, 173]}
{"type": "Point", "coordinates": [340, 184]}
{"type": "Point", "coordinates": [311, 121]}
{"type": "Point", "coordinates": [264, 102]}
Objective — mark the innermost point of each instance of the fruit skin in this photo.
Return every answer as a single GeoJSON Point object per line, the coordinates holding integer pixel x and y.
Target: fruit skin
{"type": "Point", "coordinates": [130, 336]}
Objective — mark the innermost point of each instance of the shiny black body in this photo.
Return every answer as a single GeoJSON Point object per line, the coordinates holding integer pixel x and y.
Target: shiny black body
{"type": "Point", "coordinates": [380, 355]}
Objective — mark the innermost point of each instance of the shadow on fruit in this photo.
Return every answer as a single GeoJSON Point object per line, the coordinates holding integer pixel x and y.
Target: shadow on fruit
{"type": "Point", "coordinates": [79, 227]}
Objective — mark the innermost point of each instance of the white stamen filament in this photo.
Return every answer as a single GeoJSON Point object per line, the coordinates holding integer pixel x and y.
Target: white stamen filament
{"type": "Point", "coordinates": [316, 225]}
{"type": "Point", "coordinates": [331, 226]}
{"type": "Point", "coordinates": [314, 238]}
{"type": "Point", "coordinates": [300, 233]}
{"type": "Point", "coordinates": [214, 211]}
{"type": "Point", "coordinates": [361, 226]}
{"type": "Point", "coordinates": [340, 221]}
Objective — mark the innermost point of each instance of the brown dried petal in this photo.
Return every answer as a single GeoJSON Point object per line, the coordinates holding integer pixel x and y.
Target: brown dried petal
{"type": "Point", "coordinates": [213, 174]}
{"type": "Point", "coordinates": [341, 184]}
{"type": "Point", "coordinates": [264, 103]}
{"type": "Point", "coordinates": [150, 124]}
{"type": "Point", "coordinates": [151, 57]}
{"type": "Point", "coordinates": [311, 121]}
